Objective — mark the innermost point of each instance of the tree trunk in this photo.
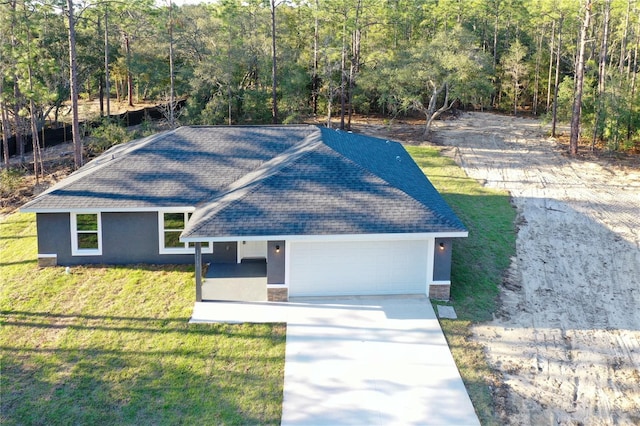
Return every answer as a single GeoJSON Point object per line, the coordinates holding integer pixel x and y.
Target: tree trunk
{"type": "Point", "coordinates": [577, 100]}
{"type": "Point", "coordinates": [633, 83]}
{"type": "Point", "coordinates": [229, 77]}
{"type": "Point", "coordinates": [19, 126]}
{"type": "Point", "coordinates": [107, 82]}
{"type": "Point", "coordinates": [495, 38]}
{"type": "Point", "coordinates": [515, 96]}
{"type": "Point", "coordinates": [5, 131]}
{"type": "Point", "coordinates": [602, 74]}
{"type": "Point", "coordinates": [73, 67]}
{"type": "Point", "coordinates": [343, 74]}
{"type": "Point", "coordinates": [536, 84]}
{"type": "Point", "coordinates": [274, 81]}
{"type": "Point", "coordinates": [127, 46]}
{"type": "Point", "coordinates": [354, 69]}
{"type": "Point", "coordinates": [329, 102]}
{"type": "Point", "coordinates": [37, 157]}
{"type": "Point", "coordinates": [623, 41]}
{"type": "Point", "coordinates": [315, 83]}
{"type": "Point", "coordinates": [552, 40]}
{"type": "Point", "coordinates": [431, 112]}
{"type": "Point", "coordinates": [17, 95]}
{"type": "Point", "coordinates": [35, 141]}
{"type": "Point", "coordinates": [172, 122]}
{"type": "Point", "coordinates": [101, 94]}
{"type": "Point", "coordinates": [556, 86]}
{"type": "Point", "coordinates": [100, 77]}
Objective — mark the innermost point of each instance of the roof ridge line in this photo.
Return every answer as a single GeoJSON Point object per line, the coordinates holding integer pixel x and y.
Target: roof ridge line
{"type": "Point", "coordinates": [269, 168]}
{"type": "Point", "coordinates": [405, 153]}
{"type": "Point", "coordinates": [247, 183]}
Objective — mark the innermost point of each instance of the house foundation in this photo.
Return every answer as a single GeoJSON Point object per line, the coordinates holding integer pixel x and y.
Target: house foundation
{"type": "Point", "coordinates": [47, 260]}
{"type": "Point", "coordinates": [440, 291]}
{"type": "Point", "coordinates": [278, 294]}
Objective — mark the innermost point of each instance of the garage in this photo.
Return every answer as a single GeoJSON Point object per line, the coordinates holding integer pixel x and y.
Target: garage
{"type": "Point", "coordinates": [333, 268]}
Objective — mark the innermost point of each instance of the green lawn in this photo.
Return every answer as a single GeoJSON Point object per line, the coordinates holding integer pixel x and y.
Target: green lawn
{"type": "Point", "coordinates": [479, 262]}
{"type": "Point", "coordinates": [113, 346]}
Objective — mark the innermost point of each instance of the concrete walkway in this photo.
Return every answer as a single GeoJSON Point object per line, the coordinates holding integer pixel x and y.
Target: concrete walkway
{"type": "Point", "coordinates": [356, 361]}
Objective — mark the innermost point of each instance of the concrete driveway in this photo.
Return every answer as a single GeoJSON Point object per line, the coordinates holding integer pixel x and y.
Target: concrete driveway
{"type": "Point", "coordinates": [357, 361]}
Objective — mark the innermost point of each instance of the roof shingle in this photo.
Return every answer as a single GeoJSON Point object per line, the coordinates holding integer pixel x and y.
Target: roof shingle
{"type": "Point", "coordinates": [258, 181]}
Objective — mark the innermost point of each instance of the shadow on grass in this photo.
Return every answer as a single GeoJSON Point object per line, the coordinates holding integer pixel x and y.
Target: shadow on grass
{"type": "Point", "coordinates": [19, 262]}
{"type": "Point", "coordinates": [94, 369]}
{"type": "Point", "coordinates": [17, 237]}
{"type": "Point", "coordinates": [101, 387]}
{"type": "Point", "coordinates": [82, 322]}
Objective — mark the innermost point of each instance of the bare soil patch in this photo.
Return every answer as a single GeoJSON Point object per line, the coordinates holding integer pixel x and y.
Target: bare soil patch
{"type": "Point", "coordinates": [58, 164]}
{"type": "Point", "coordinates": [566, 339]}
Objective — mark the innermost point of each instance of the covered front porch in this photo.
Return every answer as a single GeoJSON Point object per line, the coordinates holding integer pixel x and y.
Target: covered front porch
{"type": "Point", "coordinates": [245, 281]}
{"type": "Point", "coordinates": [239, 271]}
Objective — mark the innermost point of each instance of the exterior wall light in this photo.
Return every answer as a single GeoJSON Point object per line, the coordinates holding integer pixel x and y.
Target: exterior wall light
{"type": "Point", "coordinates": [441, 246]}
{"type": "Point", "coordinates": [277, 249]}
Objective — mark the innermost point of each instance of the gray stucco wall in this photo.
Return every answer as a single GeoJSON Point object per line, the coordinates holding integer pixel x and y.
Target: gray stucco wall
{"type": "Point", "coordinates": [442, 260]}
{"type": "Point", "coordinates": [275, 262]}
{"type": "Point", "coordinates": [127, 238]}
{"type": "Point", "coordinates": [54, 236]}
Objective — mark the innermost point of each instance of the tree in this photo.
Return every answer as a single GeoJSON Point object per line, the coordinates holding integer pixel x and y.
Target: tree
{"type": "Point", "coordinates": [577, 100]}
{"type": "Point", "coordinates": [435, 75]}
{"type": "Point", "coordinates": [73, 73]}
{"type": "Point", "coordinates": [556, 84]}
{"type": "Point", "coordinates": [274, 68]}
{"type": "Point", "coordinates": [515, 69]}
{"type": "Point", "coordinates": [602, 73]}
{"type": "Point", "coordinates": [172, 105]}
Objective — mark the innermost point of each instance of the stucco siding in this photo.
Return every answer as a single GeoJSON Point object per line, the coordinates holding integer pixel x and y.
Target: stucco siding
{"type": "Point", "coordinates": [442, 259]}
{"type": "Point", "coordinates": [54, 235]}
{"type": "Point", "coordinates": [132, 238]}
{"type": "Point", "coordinates": [127, 238]}
{"type": "Point", "coordinates": [275, 262]}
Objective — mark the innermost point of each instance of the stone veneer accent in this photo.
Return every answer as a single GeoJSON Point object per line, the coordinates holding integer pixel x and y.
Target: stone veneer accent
{"type": "Point", "coordinates": [278, 294]}
{"type": "Point", "coordinates": [47, 260]}
{"type": "Point", "coordinates": [439, 291]}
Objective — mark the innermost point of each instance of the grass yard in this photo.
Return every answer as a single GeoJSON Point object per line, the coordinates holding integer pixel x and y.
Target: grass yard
{"type": "Point", "coordinates": [479, 262]}
{"type": "Point", "coordinates": [113, 346]}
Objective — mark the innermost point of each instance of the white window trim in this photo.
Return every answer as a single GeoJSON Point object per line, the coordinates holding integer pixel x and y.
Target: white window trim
{"type": "Point", "coordinates": [175, 250]}
{"type": "Point", "coordinates": [75, 251]}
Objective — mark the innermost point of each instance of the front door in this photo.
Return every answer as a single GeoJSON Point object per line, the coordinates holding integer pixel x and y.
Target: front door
{"type": "Point", "coordinates": [225, 252]}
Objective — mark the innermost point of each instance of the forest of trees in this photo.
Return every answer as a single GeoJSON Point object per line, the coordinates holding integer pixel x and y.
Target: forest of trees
{"type": "Point", "coordinates": [279, 61]}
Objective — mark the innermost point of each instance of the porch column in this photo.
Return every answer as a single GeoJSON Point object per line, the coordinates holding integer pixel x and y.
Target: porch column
{"type": "Point", "coordinates": [198, 256]}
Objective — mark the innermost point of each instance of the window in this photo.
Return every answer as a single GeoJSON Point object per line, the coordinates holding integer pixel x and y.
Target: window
{"type": "Point", "coordinates": [86, 235]}
{"type": "Point", "coordinates": [171, 226]}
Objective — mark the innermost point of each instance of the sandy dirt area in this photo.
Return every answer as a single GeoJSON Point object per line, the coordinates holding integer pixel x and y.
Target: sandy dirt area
{"type": "Point", "coordinates": [566, 338]}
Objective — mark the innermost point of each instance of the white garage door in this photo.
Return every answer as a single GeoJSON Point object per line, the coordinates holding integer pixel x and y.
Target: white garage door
{"type": "Point", "coordinates": [352, 268]}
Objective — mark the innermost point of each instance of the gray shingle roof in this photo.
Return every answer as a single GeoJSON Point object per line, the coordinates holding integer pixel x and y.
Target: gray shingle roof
{"type": "Point", "coordinates": [176, 168]}
{"type": "Point", "coordinates": [258, 181]}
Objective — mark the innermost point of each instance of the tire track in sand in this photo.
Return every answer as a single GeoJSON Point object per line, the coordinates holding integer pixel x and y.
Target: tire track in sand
{"type": "Point", "coordinates": [566, 338]}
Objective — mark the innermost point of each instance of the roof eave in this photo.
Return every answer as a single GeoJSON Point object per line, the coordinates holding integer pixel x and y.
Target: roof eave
{"type": "Point", "coordinates": [331, 237]}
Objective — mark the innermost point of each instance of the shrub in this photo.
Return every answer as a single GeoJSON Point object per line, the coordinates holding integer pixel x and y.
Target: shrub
{"type": "Point", "coordinates": [105, 136]}
{"type": "Point", "coordinates": [10, 181]}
